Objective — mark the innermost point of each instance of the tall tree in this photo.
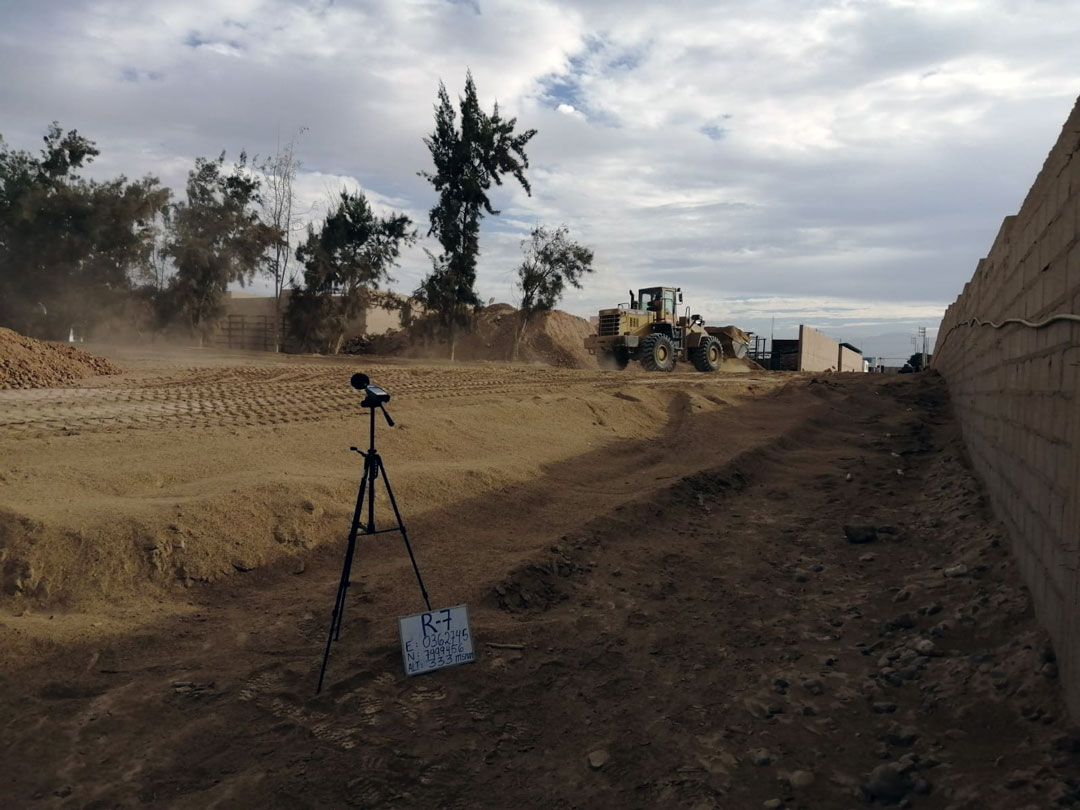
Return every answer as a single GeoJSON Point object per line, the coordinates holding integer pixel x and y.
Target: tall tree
{"type": "Point", "coordinates": [552, 260]}
{"type": "Point", "coordinates": [216, 238]}
{"type": "Point", "coordinates": [69, 247]}
{"type": "Point", "coordinates": [345, 261]}
{"type": "Point", "coordinates": [468, 159]}
{"type": "Point", "coordinates": [278, 204]}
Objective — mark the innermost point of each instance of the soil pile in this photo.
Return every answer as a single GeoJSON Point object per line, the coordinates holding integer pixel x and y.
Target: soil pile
{"type": "Point", "coordinates": [29, 363]}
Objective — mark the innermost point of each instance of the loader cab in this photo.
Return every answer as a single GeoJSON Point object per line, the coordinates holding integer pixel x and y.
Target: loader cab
{"type": "Point", "coordinates": [661, 301]}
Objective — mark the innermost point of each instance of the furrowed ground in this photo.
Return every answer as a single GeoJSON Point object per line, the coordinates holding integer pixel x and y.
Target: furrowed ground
{"type": "Point", "coordinates": [667, 607]}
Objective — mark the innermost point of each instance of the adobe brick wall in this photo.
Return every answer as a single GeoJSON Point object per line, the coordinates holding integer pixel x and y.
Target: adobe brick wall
{"type": "Point", "coordinates": [847, 360]}
{"type": "Point", "coordinates": [816, 352]}
{"type": "Point", "coordinates": [1014, 390]}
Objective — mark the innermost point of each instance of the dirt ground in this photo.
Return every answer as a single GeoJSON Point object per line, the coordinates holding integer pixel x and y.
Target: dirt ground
{"type": "Point", "coordinates": [686, 590]}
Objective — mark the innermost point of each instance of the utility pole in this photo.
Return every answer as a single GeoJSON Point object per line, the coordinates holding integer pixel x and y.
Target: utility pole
{"type": "Point", "coordinates": [772, 346]}
{"type": "Point", "coordinates": [922, 335]}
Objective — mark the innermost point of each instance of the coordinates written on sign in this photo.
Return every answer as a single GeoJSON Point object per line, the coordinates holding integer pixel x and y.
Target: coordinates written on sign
{"type": "Point", "coordinates": [436, 639]}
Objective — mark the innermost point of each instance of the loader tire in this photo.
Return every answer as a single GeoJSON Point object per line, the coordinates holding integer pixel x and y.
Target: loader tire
{"type": "Point", "coordinates": [657, 353]}
{"type": "Point", "coordinates": [707, 355]}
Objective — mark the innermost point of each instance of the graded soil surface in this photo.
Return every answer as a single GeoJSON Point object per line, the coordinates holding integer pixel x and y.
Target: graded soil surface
{"type": "Point", "coordinates": [686, 590]}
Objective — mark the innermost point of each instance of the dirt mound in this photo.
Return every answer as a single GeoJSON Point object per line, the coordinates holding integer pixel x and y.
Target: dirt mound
{"type": "Point", "coordinates": [29, 363]}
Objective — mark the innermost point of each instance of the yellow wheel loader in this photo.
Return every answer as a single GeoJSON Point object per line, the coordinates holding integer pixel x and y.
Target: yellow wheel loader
{"type": "Point", "coordinates": [650, 330]}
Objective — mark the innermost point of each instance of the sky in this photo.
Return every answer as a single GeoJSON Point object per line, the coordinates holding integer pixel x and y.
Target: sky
{"type": "Point", "coordinates": [838, 163]}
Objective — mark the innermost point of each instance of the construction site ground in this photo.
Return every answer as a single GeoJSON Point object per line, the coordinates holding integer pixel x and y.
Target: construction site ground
{"type": "Point", "coordinates": [686, 590]}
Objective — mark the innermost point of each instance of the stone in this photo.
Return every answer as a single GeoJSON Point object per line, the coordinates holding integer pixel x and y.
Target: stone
{"type": "Point", "coordinates": [867, 558]}
{"type": "Point", "coordinates": [772, 804]}
{"type": "Point", "coordinates": [814, 686]}
{"type": "Point", "coordinates": [760, 757]}
{"type": "Point", "coordinates": [902, 622]}
{"type": "Point", "coordinates": [598, 758]}
{"type": "Point", "coordinates": [801, 779]}
{"type": "Point", "coordinates": [923, 646]}
{"type": "Point", "coordinates": [940, 629]}
{"type": "Point", "coordinates": [881, 707]}
{"type": "Point", "coordinates": [901, 735]}
{"type": "Point", "coordinates": [893, 678]}
{"type": "Point", "coordinates": [906, 763]}
{"type": "Point", "coordinates": [887, 785]}
{"type": "Point", "coordinates": [860, 534]}
{"type": "Point", "coordinates": [956, 571]}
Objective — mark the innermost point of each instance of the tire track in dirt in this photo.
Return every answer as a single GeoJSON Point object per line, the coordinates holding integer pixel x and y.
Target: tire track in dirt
{"type": "Point", "coordinates": [252, 396]}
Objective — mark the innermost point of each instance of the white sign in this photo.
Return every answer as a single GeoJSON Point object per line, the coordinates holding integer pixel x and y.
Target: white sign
{"type": "Point", "coordinates": [437, 639]}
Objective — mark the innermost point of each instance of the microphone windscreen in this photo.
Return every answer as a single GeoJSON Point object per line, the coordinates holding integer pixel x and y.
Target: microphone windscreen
{"type": "Point", "coordinates": [360, 381]}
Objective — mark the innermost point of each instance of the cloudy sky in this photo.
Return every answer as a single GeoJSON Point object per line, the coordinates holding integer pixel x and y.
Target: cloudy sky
{"type": "Point", "coordinates": [841, 163]}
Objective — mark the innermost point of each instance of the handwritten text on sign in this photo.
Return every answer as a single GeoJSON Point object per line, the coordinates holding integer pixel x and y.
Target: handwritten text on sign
{"type": "Point", "coordinates": [437, 639]}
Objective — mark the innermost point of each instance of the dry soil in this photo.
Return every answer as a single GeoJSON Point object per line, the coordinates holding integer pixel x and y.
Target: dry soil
{"type": "Point", "coordinates": [29, 363]}
{"type": "Point", "coordinates": [668, 609]}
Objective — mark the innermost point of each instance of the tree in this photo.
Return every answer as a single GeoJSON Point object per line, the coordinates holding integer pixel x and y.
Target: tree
{"type": "Point", "coordinates": [216, 238]}
{"type": "Point", "coordinates": [552, 260]}
{"type": "Point", "coordinates": [69, 247]}
{"type": "Point", "coordinates": [468, 159]}
{"type": "Point", "coordinates": [916, 361]}
{"type": "Point", "coordinates": [344, 264]}
{"type": "Point", "coordinates": [278, 210]}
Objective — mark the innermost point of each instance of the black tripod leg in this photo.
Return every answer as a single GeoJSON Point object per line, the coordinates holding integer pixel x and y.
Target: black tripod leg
{"type": "Point", "coordinates": [346, 571]}
{"type": "Point", "coordinates": [404, 535]}
{"type": "Point", "coordinates": [343, 584]}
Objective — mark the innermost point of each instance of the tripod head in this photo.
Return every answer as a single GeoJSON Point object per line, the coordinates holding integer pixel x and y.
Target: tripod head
{"type": "Point", "coordinates": [374, 397]}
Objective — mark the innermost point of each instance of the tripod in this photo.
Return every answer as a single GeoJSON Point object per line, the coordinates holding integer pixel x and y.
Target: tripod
{"type": "Point", "coordinates": [373, 464]}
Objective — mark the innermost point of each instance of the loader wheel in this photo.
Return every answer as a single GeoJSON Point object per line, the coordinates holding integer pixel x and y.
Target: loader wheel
{"type": "Point", "coordinates": [707, 355]}
{"type": "Point", "coordinates": [657, 353]}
